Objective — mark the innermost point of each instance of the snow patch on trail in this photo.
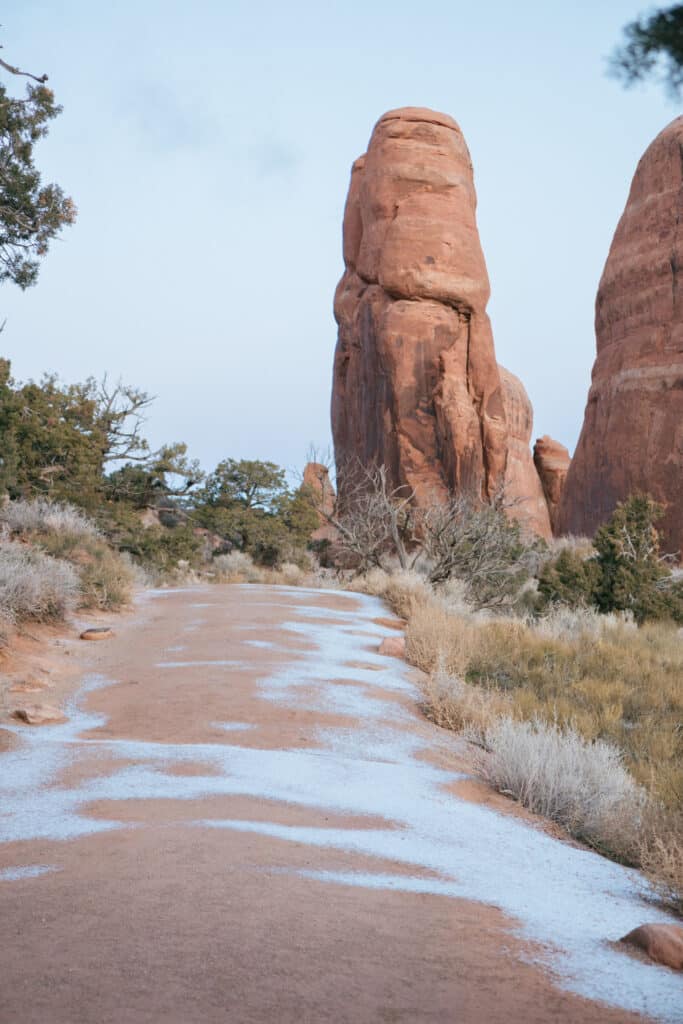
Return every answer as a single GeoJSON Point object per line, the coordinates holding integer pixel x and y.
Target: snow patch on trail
{"type": "Point", "coordinates": [571, 901]}
{"type": "Point", "coordinates": [29, 871]}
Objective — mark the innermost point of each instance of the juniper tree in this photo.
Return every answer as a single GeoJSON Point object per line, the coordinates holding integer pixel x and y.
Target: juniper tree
{"type": "Point", "coordinates": [31, 213]}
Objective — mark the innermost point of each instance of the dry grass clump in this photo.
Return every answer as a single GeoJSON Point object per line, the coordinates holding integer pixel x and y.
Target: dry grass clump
{"type": "Point", "coordinates": [625, 687]}
{"type": "Point", "coordinates": [42, 516]}
{"type": "Point", "coordinates": [64, 532]}
{"type": "Point", "coordinates": [404, 591]}
{"type": "Point", "coordinates": [452, 704]}
{"type": "Point", "coordinates": [581, 546]}
{"type": "Point", "coordinates": [236, 567]}
{"type": "Point", "coordinates": [580, 784]}
{"type": "Point", "coordinates": [35, 586]}
{"type": "Point", "coordinates": [239, 567]}
{"type": "Point", "coordinates": [561, 622]}
{"type": "Point", "coordinates": [436, 639]}
{"type": "Point", "coordinates": [290, 575]}
{"type": "Point", "coordinates": [107, 577]}
{"type": "Point", "coordinates": [661, 857]}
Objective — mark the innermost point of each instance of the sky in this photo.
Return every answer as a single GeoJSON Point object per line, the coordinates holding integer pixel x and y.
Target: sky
{"type": "Point", "coordinates": [208, 149]}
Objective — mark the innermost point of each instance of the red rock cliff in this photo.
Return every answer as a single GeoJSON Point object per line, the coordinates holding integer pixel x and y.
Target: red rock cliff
{"type": "Point", "coordinates": [416, 384]}
{"type": "Point", "coordinates": [632, 437]}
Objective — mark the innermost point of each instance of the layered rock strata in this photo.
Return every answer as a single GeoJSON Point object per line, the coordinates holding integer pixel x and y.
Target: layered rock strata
{"type": "Point", "coordinates": [632, 436]}
{"type": "Point", "coordinates": [416, 384]}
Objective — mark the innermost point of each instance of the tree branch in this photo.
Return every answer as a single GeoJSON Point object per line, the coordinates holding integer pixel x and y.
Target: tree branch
{"type": "Point", "coordinates": [26, 74]}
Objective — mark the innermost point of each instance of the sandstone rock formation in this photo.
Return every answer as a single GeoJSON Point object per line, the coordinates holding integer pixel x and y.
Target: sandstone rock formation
{"type": "Point", "coordinates": [317, 477]}
{"type": "Point", "coordinates": [552, 464]}
{"type": "Point", "coordinates": [416, 384]}
{"type": "Point", "coordinates": [522, 484]}
{"type": "Point", "coordinates": [632, 437]}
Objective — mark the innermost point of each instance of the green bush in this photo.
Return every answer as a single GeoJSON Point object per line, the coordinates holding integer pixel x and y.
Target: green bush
{"type": "Point", "coordinates": [633, 576]}
{"type": "Point", "coordinates": [626, 574]}
{"type": "Point", "coordinates": [568, 579]}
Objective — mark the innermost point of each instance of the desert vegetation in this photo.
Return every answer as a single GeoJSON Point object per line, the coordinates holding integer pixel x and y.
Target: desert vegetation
{"type": "Point", "coordinates": [83, 446]}
{"type": "Point", "coordinates": [569, 683]}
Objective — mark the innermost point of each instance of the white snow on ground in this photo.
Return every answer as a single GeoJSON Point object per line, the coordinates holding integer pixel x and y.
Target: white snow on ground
{"type": "Point", "coordinates": [571, 901]}
{"type": "Point", "coordinates": [29, 871]}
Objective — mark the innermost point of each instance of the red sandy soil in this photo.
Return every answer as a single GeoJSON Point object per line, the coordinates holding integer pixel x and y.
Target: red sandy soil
{"type": "Point", "coordinates": [161, 922]}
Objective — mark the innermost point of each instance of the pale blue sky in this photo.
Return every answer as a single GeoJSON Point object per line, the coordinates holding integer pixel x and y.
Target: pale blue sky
{"type": "Point", "coordinates": [208, 148]}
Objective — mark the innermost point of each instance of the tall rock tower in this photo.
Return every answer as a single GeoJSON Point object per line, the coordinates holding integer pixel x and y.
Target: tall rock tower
{"type": "Point", "coordinates": [632, 437]}
{"type": "Point", "coordinates": [416, 384]}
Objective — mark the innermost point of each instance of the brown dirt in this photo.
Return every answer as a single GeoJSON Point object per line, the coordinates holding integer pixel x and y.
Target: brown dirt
{"type": "Point", "coordinates": [163, 921]}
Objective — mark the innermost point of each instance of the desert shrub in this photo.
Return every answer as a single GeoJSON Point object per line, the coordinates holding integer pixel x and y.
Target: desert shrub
{"type": "Point", "coordinates": [374, 581]}
{"type": "Point", "coordinates": [407, 591]}
{"type": "Point", "coordinates": [568, 579]}
{"type": "Point", "coordinates": [453, 704]}
{"type": "Point", "coordinates": [33, 585]}
{"type": "Point", "coordinates": [159, 549]}
{"type": "Point", "coordinates": [632, 574]}
{"type": "Point", "coordinates": [478, 543]}
{"type": "Point", "coordinates": [291, 575]}
{"type": "Point", "coordinates": [40, 516]}
{"type": "Point", "coordinates": [453, 597]}
{"type": "Point", "coordinates": [624, 571]}
{"type": "Point", "coordinates": [580, 784]}
{"type": "Point", "coordinates": [236, 567]}
{"type": "Point", "coordinates": [436, 639]}
{"type": "Point", "coordinates": [566, 623]}
{"type": "Point", "coordinates": [106, 578]}
{"type": "Point", "coordinates": [581, 546]}
{"type": "Point", "coordinates": [65, 533]}
{"type": "Point", "coordinates": [625, 687]}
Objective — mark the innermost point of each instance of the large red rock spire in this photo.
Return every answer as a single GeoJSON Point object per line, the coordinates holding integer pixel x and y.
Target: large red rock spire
{"type": "Point", "coordinates": [416, 383]}
{"type": "Point", "coordinates": [632, 437]}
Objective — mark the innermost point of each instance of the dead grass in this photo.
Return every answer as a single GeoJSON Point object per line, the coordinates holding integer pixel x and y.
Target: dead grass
{"type": "Point", "coordinates": [661, 858]}
{"type": "Point", "coordinates": [452, 704]}
{"type": "Point", "coordinates": [41, 516]}
{"type": "Point", "coordinates": [624, 687]}
{"type": "Point", "coordinates": [239, 567]}
{"type": "Point", "coordinates": [34, 586]}
{"type": "Point", "coordinates": [106, 578]}
{"type": "Point", "coordinates": [580, 784]}
{"type": "Point", "coordinates": [594, 694]}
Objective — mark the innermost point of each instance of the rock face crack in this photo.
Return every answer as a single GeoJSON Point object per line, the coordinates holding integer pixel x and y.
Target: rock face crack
{"type": "Point", "coordinates": [416, 383]}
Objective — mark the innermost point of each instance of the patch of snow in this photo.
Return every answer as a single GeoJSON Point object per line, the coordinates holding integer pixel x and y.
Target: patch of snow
{"type": "Point", "coordinates": [29, 871]}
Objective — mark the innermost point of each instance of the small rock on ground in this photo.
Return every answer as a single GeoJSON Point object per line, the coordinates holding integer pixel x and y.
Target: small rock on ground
{"type": "Point", "coordinates": [393, 647]}
{"type": "Point", "coordinates": [39, 714]}
{"type": "Point", "coordinates": [663, 943]}
{"type": "Point", "coordinates": [97, 633]}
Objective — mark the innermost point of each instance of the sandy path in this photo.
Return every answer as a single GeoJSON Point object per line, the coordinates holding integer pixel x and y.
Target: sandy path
{"type": "Point", "coordinates": [245, 819]}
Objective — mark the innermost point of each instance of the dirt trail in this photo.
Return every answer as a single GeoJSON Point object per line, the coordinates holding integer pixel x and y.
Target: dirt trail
{"type": "Point", "coordinates": [245, 819]}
